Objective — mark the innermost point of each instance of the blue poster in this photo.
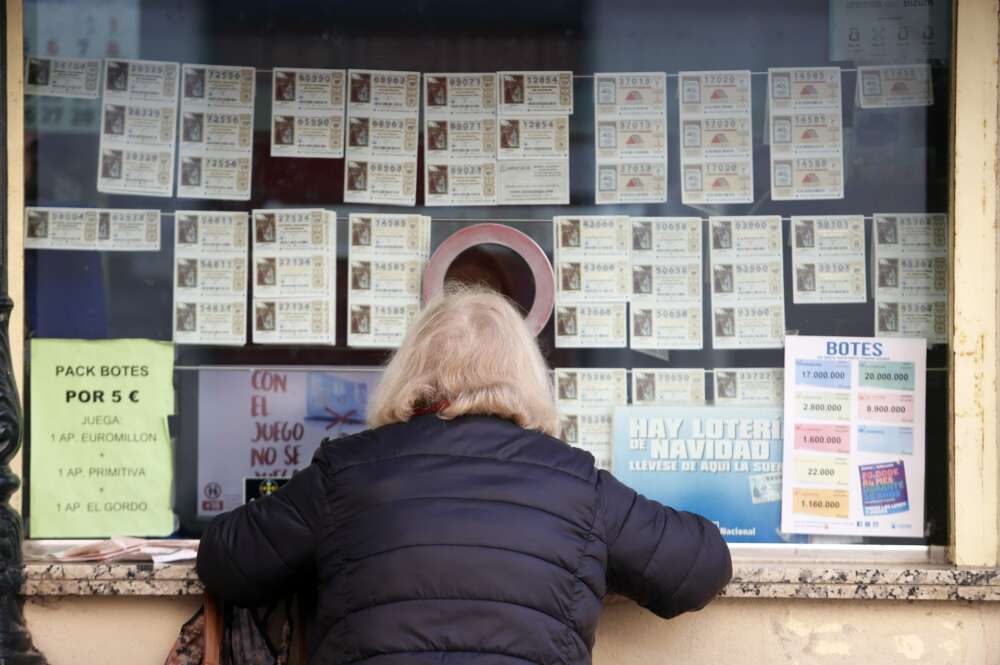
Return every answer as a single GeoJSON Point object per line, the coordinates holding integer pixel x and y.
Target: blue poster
{"type": "Point", "coordinates": [720, 462]}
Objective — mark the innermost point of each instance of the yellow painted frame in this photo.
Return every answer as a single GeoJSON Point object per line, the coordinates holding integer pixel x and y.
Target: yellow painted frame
{"type": "Point", "coordinates": [974, 466]}
{"type": "Point", "coordinates": [15, 198]}
{"type": "Point", "coordinates": [973, 409]}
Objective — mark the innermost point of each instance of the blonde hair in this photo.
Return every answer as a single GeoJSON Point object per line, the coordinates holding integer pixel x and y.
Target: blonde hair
{"type": "Point", "coordinates": [470, 350]}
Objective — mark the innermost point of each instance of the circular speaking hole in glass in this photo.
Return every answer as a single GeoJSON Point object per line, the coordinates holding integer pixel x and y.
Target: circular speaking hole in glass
{"type": "Point", "coordinates": [498, 267]}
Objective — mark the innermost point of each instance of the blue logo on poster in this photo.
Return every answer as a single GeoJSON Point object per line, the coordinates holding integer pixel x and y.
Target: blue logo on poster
{"type": "Point", "coordinates": [721, 462]}
{"type": "Point", "coordinates": [337, 398]}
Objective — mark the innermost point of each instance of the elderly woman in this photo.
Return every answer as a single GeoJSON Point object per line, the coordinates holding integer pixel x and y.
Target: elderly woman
{"type": "Point", "coordinates": [459, 529]}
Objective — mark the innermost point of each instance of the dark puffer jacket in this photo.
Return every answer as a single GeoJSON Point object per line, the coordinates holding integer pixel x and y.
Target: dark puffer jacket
{"type": "Point", "coordinates": [463, 541]}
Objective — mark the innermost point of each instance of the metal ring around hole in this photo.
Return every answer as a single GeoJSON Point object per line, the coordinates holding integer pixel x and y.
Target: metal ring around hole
{"type": "Point", "coordinates": [497, 234]}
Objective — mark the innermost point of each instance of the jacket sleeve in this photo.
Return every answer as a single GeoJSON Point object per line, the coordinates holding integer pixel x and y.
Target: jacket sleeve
{"type": "Point", "coordinates": [251, 555]}
{"type": "Point", "coordinates": [666, 560]}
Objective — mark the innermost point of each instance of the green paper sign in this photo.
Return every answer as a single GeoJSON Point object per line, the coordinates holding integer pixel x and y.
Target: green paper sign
{"type": "Point", "coordinates": [888, 374]}
{"type": "Point", "coordinates": [101, 462]}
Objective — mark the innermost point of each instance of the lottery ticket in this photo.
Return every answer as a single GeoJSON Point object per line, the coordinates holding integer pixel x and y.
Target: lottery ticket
{"type": "Point", "coordinates": [307, 112]}
{"type": "Point", "coordinates": [138, 126]}
{"type": "Point", "coordinates": [805, 129]}
{"type": "Point", "coordinates": [716, 137]}
{"type": "Point", "coordinates": [102, 229]}
{"type": "Point", "coordinates": [216, 135]}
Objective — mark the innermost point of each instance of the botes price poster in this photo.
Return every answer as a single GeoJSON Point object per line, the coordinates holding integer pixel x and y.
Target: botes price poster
{"type": "Point", "coordinates": [720, 462]}
{"type": "Point", "coordinates": [101, 462]}
{"type": "Point", "coordinates": [854, 436]}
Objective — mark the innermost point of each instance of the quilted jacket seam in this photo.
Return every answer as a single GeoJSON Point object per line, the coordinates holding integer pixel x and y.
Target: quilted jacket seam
{"type": "Point", "coordinates": [575, 574]}
{"type": "Point", "coordinates": [656, 550]}
{"type": "Point", "coordinates": [337, 469]}
{"type": "Point", "coordinates": [574, 602]}
{"type": "Point", "coordinates": [687, 573]}
{"type": "Point", "coordinates": [384, 504]}
{"type": "Point", "coordinates": [559, 620]}
{"type": "Point", "coordinates": [444, 651]}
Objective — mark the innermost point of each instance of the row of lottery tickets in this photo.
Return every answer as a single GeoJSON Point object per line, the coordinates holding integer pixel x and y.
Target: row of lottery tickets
{"type": "Point", "coordinates": [620, 281]}
{"type": "Point", "coordinates": [480, 149]}
{"type": "Point", "coordinates": [293, 273]}
{"type": "Point", "coordinates": [638, 281]}
{"type": "Point", "coordinates": [489, 138]}
{"type": "Point", "coordinates": [587, 397]}
{"type": "Point", "coordinates": [294, 277]}
{"type": "Point", "coordinates": [804, 130]}
{"type": "Point", "coordinates": [293, 269]}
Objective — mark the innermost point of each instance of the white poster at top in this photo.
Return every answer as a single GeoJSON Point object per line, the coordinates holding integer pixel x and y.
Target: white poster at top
{"type": "Point", "coordinates": [138, 124]}
{"type": "Point", "coordinates": [806, 133]}
{"type": "Point", "coordinates": [889, 31]}
{"type": "Point", "coordinates": [716, 137]}
{"type": "Point", "coordinates": [216, 134]}
{"type": "Point", "coordinates": [854, 453]}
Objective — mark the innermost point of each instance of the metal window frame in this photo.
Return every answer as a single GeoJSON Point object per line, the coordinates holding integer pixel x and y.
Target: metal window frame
{"type": "Point", "coordinates": [974, 460]}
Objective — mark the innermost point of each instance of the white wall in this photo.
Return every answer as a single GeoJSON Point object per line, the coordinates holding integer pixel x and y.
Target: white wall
{"type": "Point", "coordinates": [139, 631]}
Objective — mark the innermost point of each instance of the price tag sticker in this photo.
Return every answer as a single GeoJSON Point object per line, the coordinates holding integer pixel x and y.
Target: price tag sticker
{"type": "Point", "coordinates": [823, 405]}
{"type": "Point", "coordinates": [889, 375]}
{"type": "Point", "coordinates": [823, 373]}
{"type": "Point", "coordinates": [823, 438]}
{"type": "Point", "coordinates": [885, 408]}
{"type": "Point", "coordinates": [816, 470]}
{"type": "Point", "coordinates": [822, 503]}
{"type": "Point", "coordinates": [885, 439]}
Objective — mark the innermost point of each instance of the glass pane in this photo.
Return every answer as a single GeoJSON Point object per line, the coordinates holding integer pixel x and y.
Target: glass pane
{"type": "Point", "coordinates": [895, 160]}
